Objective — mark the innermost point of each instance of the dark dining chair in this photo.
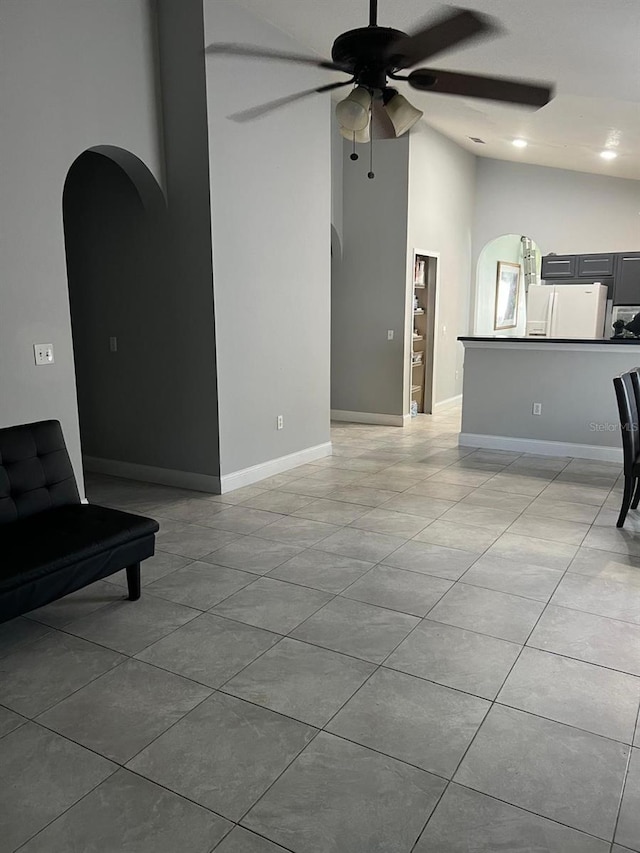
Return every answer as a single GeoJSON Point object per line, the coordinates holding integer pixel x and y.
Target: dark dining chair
{"type": "Point", "coordinates": [627, 386]}
{"type": "Point", "coordinates": [635, 382]}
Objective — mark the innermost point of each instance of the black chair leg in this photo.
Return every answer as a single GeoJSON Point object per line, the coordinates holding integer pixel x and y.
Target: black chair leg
{"type": "Point", "coordinates": [133, 581]}
{"type": "Point", "coordinates": [636, 495]}
{"type": "Point", "coordinates": [629, 483]}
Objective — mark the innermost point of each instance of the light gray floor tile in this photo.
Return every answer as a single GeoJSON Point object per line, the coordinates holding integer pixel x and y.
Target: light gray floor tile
{"type": "Point", "coordinates": [242, 519]}
{"type": "Point", "coordinates": [440, 490]}
{"type": "Point", "coordinates": [298, 531]}
{"type": "Point", "coordinates": [280, 480]}
{"type": "Point", "coordinates": [153, 569]}
{"type": "Point", "coordinates": [237, 496]}
{"type": "Point", "coordinates": [608, 516]}
{"type": "Point", "coordinates": [456, 658]}
{"type": "Point", "coordinates": [533, 463]}
{"type": "Point", "coordinates": [628, 831]}
{"type": "Point", "coordinates": [601, 596]}
{"type": "Point", "coordinates": [190, 540]}
{"type": "Point", "coordinates": [224, 754]}
{"type": "Point", "coordinates": [200, 585]}
{"type": "Point", "coordinates": [496, 500]}
{"type": "Point", "coordinates": [579, 694]}
{"type": "Point", "coordinates": [397, 589]}
{"type": "Point", "coordinates": [594, 639]}
{"type": "Point", "coordinates": [192, 510]}
{"type": "Point", "coordinates": [617, 540]}
{"type": "Point", "coordinates": [356, 629]}
{"type": "Point", "coordinates": [578, 493]}
{"type": "Point", "coordinates": [43, 774]}
{"type": "Point", "coordinates": [488, 518]}
{"type": "Point", "coordinates": [465, 537]}
{"type": "Point", "coordinates": [414, 720]}
{"type": "Point", "coordinates": [39, 674]}
{"type": "Point", "coordinates": [209, 649]}
{"type": "Point", "coordinates": [514, 577]}
{"type": "Point", "coordinates": [571, 776]}
{"type": "Point", "coordinates": [339, 796]}
{"type": "Point", "coordinates": [18, 631]}
{"type": "Point", "coordinates": [321, 570]}
{"type": "Point", "coordinates": [421, 506]}
{"type": "Point", "coordinates": [129, 814]}
{"type": "Point", "coordinates": [121, 712]}
{"type": "Point", "coordinates": [242, 841]}
{"type": "Point", "coordinates": [308, 488]}
{"type": "Point", "coordinates": [361, 544]}
{"type": "Point", "coordinates": [278, 501]}
{"type": "Point", "coordinates": [301, 681]}
{"type": "Point", "coordinates": [382, 520]}
{"type": "Point", "coordinates": [461, 477]}
{"type": "Point", "coordinates": [536, 552]}
{"type": "Point", "coordinates": [330, 511]}
{"type": "Point", "coordinates": [556, 530]}
{"type": "Point", "coordinates": [468, 822]}
{"type": "Point", "coordinates": [361, 495]}
{"type": "Point", "coordinates": [80, 603]}
{"type": "Point", "coordinates": [272, 604]}
{"type": "Point", "coordinates": [252, 554]}
{"type": "Point", "coordinates": [566, 510]}
{"type": "Point", "coordinates": [606, 565]}
{"type": "Point", "coordinates": [507, 617]}
{"type": "Point", "coordinates": [518, 484]}
{"type": "Point", "coordinates": [130, 626]}
{"type": "Point", "coordinates": [336, 476]}
{"type": "Point", "coordinates": [448, 563]}
{"type": "Point", "coordinates": [9, 721]}
{"type": "Point", "coordinates": [389, 481]}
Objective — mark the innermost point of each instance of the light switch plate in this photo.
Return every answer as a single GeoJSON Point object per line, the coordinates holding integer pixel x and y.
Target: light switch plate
{"type": "Point", "coordinates": [43, 353]}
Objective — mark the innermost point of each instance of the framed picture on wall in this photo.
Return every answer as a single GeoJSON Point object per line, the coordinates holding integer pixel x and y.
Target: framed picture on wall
{"type": "Point", "coordinates": [507, 289]}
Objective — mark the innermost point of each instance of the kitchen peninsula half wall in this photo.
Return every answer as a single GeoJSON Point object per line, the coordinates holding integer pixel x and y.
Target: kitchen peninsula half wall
{"type": "Point", "coordinates": [569, 382]}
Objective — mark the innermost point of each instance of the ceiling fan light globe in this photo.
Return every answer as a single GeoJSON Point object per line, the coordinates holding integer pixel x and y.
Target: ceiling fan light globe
{"type": "Point", "coordinates": [353, 112]}
{"type": "Point", "coordinates": [403, 115]}
{"type": "Point", "coordinates": [361, 136]}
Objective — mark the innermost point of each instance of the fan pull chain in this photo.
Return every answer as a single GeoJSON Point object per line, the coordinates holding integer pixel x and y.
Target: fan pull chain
{"type": "Point", "coordinates": [371, 174]}
{"type": "Point", "coordinates": [354, 156]}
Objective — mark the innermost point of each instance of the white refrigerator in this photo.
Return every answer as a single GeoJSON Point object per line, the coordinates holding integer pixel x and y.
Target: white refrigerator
{"type": "Point", "coordinates": [566, 310]}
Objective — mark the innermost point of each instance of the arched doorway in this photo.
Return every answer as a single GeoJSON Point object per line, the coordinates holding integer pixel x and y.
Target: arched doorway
{"type": "Point", "coordinates": [115, 240]}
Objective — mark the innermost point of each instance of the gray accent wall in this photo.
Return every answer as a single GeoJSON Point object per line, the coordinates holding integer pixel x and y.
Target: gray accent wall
{"type": "Point", "coordinates": [73, 74]}
{"type": "Point", "coordinates": [370, 286]}
{"type": "Point", "coordinates": [271, 221]}
{"type": "Point", "coordinates": [441, 206]}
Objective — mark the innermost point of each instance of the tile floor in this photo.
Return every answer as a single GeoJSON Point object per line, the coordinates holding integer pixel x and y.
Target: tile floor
{"type": "Point", "coordinates": [404, 648]}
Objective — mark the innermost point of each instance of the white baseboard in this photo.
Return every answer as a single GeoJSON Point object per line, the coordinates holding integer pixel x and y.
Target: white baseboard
{"type": "Point", "coordinates": [370, 418]}
{"type": "Point", "coordinates": [248, 476]}
{"type": "Point", "coordinates": [541, 448]}
{"type": "Point", "coordinates": [450, 401]}
{"type": "Point", "coordinates": [150, 474]}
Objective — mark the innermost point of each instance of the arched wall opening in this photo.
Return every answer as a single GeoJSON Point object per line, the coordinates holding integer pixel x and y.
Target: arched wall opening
{"type": "Point", "coordinates": [115, 233]}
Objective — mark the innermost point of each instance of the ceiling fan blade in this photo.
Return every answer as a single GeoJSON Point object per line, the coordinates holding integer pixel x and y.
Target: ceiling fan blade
{"type": "Point", "coordinates": [446, 32]}
{"type": "Point", "coordinates": [522, 92]}
{"type": "Point", "coordinates": [248, 50]}
{"type": "Point", "coordinates": [256, 112]}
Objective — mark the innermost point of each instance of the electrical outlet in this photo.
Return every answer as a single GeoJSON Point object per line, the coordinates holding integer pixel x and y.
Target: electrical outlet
{"type": "Point", "coordinates": [113, 344]}
{"type": "Point", "coordinates": [280, 422]}
{"type": "Point", "coordinates": [390, 334]}
{"type": "Point", "coordinates": [457, 374]}
{"type": "Point", "coordinates": [537, 408]}
{"type": "Point", "coordinates": [43, 353]}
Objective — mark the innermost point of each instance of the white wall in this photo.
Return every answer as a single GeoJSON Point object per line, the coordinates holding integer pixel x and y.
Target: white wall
{"type": "Point", "coordinates": [271, 225]}
{"type": "Point", "coordinates": [73, 74]}
{"type": "Point", "coordinates": [508, 247]}
{"type": "Point", "coordinates": [441, 204]}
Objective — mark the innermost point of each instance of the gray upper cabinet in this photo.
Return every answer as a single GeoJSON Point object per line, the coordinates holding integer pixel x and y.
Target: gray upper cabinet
{"type": "Point", "coordinates": [592, 266]}
{"type": "Point", "coordinates": [627, 289]}
{"type": "Point", "coordinates": [558, 266]}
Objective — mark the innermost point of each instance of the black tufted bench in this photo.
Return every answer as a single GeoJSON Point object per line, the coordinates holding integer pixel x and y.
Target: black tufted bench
{"type": "Point", "coordinates": [50, 543]}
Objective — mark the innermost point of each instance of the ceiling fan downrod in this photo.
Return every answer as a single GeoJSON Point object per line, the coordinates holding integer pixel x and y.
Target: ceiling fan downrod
{"type": "Point", "coordinates": [373, 13]}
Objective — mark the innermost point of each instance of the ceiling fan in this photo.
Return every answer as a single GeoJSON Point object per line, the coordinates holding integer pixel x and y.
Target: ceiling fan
{"type": "Point", "coordinates": [372, 55]}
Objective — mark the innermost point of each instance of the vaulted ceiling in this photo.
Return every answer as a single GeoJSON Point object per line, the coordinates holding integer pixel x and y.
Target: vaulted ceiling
{"type": "Point", "coordinates": [589, 48]}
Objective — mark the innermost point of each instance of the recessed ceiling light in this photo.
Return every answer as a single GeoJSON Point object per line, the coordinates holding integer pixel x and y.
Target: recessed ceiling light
{"type": "Point", "coordinates": [608, 155]}
{"type": "Point", "coordinates": [520, 143]}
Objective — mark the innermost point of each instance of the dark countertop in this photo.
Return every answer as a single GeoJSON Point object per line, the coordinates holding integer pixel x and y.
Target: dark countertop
{"type": "Point", "coordinates": [541, 339]}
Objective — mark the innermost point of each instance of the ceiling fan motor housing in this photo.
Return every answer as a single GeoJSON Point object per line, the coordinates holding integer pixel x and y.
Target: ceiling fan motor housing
{"type": "Point", "coordinates": [365, 54]}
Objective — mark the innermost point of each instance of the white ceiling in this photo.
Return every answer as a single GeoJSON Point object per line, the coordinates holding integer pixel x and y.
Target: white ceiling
{"type": "Point", "coordinates": [590, 49]}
